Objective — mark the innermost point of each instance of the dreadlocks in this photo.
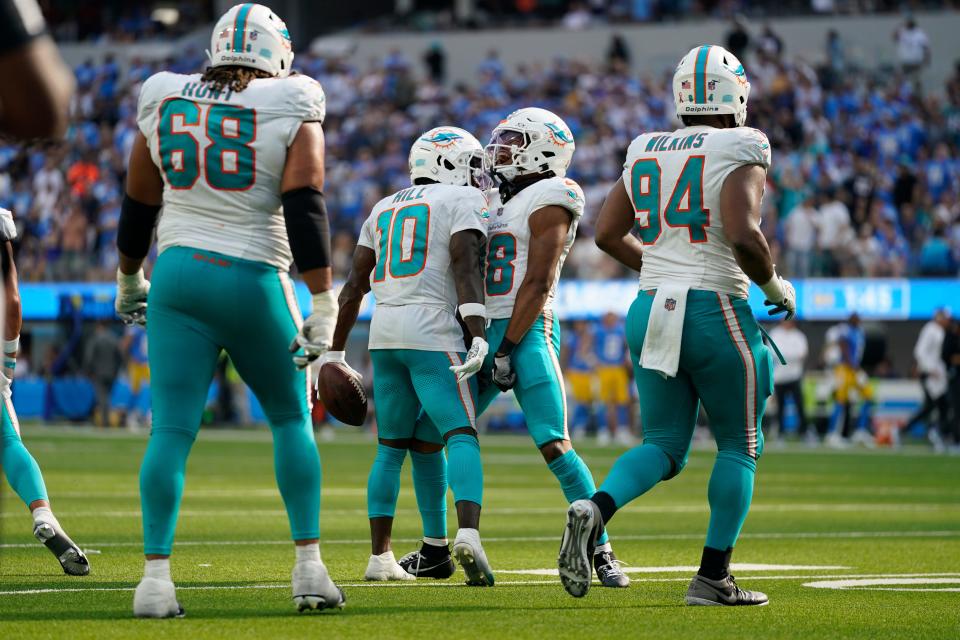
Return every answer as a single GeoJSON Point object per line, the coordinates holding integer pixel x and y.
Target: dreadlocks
{"type": "Point", "coordinates": [233, 77]}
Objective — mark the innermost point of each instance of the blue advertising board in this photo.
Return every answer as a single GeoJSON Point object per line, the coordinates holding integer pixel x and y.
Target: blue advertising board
{"type": "Point", "coordinates": [817, 299]}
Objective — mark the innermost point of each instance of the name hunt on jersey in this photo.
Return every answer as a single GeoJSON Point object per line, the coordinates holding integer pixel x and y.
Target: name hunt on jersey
{"type": "Point", "coordinates": [222, 155]}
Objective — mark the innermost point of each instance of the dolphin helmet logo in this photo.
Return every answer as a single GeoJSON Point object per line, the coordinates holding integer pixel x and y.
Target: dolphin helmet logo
{"type": "Point", "coordinates": [443, 139]}
{"type": "Point", "coordinates": [560, 137]}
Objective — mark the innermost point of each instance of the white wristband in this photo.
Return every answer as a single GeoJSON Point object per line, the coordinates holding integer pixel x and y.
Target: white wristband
{"type": "Point", "coordinates": [11, 346]}
{"type": "Point", "coordinates": [473, 309]}
{"type": "Point", "coordinates": [324, 303]}
{"type": "Point", "coordinates": [774, 289]}
{"type": "Point", "coordinates": [335, 356]}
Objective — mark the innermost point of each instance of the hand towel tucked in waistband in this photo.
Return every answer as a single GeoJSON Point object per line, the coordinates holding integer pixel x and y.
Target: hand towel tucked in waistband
{"type": "Point", "coordinates": [661, 345]}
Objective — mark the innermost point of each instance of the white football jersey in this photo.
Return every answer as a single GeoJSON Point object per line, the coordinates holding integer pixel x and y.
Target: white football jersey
{"type": "Point", "coordinates": [222, 156]}
{"type": "Point", "coordinates": [413, 283]}
{"type": "Point", "coordinates": [508, 239]}
{"type": "Point", "coordinates": [674, 181]}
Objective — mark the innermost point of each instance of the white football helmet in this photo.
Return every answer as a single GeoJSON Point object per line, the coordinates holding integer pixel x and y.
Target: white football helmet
{"type": "Point", "coordinates": [529, 141]}
{"type": "Point", "coordinates": [251, 35]}
{"type": "Point", "coordinates": [710, 80]}
{"type": "Point", "coordinates": [448, 155]}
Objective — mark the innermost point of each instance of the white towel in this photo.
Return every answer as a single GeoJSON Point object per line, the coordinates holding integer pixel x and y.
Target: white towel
{"type": "Point", "coordinates": [661, 344]}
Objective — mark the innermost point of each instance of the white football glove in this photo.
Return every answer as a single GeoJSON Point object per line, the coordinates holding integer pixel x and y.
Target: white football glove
{"type": "Point", "coordinates": [316, 334]}
{"type": "Point", "coordinates": [131, 302]}
{"type": "Point", "coordinates": [473, 361]}
{"type": "Point", "coordinates": [781, 296]}
{"type": "Point", "coordinates": [503, 374]}
{"type": "Point", "coordinates": [339, 357]}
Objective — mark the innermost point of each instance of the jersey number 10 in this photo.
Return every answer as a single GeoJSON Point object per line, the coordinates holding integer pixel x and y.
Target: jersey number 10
{"type": "Point", "coordinates": [229, 162]}
{"type": "Point", "coordinates": [402, 236]}
{"type": "Point", "coordinates": [645, 188]}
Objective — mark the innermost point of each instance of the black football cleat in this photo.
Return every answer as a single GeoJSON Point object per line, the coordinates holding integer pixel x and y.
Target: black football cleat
{"type": "Point", "coordinates": [608, 570]}
{"type": "Point", "coordinates": [724, 592]}
{"type": "Point", "coordinates": [429, 561]}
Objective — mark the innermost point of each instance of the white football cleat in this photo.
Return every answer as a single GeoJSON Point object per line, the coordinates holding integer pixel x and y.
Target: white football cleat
{"type": "Point", "coordinates": [156, 598]}
{"type": "Point", "coordinates": [469, 553]}
{"type": "Point", "coordinates": [836, 441]}
{"type": "Point", "coordinates": [863, 437]}
{"type": "Point", "coordinates": [385, 567]}
{"type": "Point", "coordinates": [313, 588]}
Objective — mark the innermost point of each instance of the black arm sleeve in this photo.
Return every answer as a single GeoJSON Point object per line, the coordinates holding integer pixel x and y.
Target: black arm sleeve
{"type": "Point", "coordinates": [135, 230]}
{"type": "Point", "coordinates": [308, 230]}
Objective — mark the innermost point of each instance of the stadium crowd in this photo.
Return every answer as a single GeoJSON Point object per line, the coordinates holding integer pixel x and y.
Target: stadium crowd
{"type": "Point", "coordinates": [865, 179]}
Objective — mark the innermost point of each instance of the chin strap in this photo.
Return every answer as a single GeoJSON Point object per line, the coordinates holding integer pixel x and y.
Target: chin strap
{"type": "Point", "coordinates": [509, 189]}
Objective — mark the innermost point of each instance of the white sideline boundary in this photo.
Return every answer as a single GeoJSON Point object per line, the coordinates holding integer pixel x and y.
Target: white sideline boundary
{"type": "Point", "coordinates": [952, 578]}
{"type": "Point", "coordinates": [790, 535]}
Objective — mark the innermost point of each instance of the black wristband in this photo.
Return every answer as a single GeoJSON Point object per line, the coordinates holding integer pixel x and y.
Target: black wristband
{"type": "Point", "coordinates": [506, 347]}
{"type": "Point", "coordinates": [135, 229]}
{"type": "Point", "coordinates": [308, 229]}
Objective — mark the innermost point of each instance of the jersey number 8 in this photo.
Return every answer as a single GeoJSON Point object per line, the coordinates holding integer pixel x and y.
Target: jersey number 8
{"type": "Point", "coordinates": [229, 162]}
{"type": "Point", "coordinates": [645, 188]}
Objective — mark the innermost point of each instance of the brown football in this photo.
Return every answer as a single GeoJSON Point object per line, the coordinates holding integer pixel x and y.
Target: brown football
{"type": "Point", "coordinates": [342, 394]}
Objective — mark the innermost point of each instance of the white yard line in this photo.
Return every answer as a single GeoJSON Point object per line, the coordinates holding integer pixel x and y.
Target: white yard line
{"type": "Point", "coordinates": [789, 535]}
{"type": "Point", "coordinates": [893, 578]}
{"type": "Point", "coordinates": [511, 511]}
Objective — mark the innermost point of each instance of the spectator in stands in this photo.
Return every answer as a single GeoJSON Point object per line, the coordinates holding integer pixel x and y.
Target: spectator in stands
{"type": "Point", "coordinates": [913, 47]}
{"type": "Point", "coordinates": [932, 370]}
{"type": "Point", "coordinates": [101, 362]}
{"type": "Point", "coordinates": [738, 38]}
{"type": "Point", "coordinates": [800, 229]}
{"type": "Point", "coordinates": [769, 43]}
{"type": "Point", "coordinates": [834, 233]}
{"type": "Point", "coordinates": [788, 378]}
{"type": "Point", "coordinates": [436, 60]}
{"type": "Point", "coordinates": [936, 256]}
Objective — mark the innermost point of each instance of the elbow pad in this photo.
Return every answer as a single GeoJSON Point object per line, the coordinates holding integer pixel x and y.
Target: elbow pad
{"type": "Point", "coordinates": [135, 230]}
{"type": "Point", "coordinates": [308, 229]}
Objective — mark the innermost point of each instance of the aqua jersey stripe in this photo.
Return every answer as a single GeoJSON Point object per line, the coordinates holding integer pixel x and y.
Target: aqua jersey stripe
{"type": "Point", "coordinates": [240, 26]}
{"type": "Point", "coordinates": [700, 75]}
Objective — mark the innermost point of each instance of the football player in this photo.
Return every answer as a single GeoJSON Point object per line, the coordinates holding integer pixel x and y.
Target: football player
{"type": "Point", "coordinates": [531, 227]}
{"type": "Point", "coordinates": [21, 469]}
{"type": "Point", "coordinates": [420, 253]}
{"type": "Point", "coordinates": [235, 157]}
{"type": "Point", "coordinates": [694, 197]}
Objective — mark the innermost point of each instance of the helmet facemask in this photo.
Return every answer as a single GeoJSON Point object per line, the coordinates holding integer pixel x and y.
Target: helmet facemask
{"type": "Point", "coordinates": [506, 155]}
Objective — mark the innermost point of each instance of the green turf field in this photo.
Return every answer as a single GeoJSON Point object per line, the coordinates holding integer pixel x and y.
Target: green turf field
{"type": "Point", "coordinates": [834, 517]}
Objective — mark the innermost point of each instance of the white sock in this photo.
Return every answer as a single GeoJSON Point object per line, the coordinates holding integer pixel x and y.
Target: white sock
{"type": "Point", "coordinates": [308, 552]}
{"type": "Point", "coordinates": [44, 514]}
{"type": "Point", "coordinates": [435, 542]}
{"type": "Point", "coordinates": [603, 548]}
{"type": "Point", "coordinates": [159, 569]}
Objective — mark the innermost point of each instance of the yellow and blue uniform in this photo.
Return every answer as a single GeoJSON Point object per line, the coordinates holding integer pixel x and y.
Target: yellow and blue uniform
{"type": "Point", "coordinates": [580, 368]}
{"type": "Point", "coordinates": [610, 349]}
{"type": "Point", "coordinates": [849, 377]}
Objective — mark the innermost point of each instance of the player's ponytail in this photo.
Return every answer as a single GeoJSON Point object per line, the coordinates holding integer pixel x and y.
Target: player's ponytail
{"type": "Point", "coordinates": [233, 77]}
